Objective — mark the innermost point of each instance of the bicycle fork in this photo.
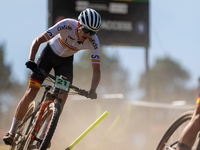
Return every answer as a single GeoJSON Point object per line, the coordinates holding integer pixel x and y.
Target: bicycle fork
{"type": "Point", "coordinates": [39, 119]}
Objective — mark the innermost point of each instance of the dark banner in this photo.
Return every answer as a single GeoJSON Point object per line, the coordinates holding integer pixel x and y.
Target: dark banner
{"type": "Point", "coordinates": [123, 22]}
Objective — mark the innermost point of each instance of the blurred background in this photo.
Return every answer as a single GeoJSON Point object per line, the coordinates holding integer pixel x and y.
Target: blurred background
{"type": "Point", "coordinates": [149, 64]}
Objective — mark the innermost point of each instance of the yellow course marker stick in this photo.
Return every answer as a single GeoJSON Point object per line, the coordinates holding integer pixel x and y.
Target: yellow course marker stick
{"type": "Point", "coordinates": [87, 130]}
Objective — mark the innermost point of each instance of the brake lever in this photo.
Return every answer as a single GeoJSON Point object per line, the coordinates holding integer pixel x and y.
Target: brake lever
{"type": "Point", "coordinates": [83, 92]}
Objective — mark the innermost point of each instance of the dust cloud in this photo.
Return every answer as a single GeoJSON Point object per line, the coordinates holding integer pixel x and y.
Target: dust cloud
{"type": "Point", "coordinates": [127, 126]}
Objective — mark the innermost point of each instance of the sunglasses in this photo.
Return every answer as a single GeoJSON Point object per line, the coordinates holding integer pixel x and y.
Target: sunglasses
{"type": "Point", "coordinates": [85, 30]}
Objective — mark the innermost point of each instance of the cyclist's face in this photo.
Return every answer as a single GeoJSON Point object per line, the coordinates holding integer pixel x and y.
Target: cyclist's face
{"type": "Point", "coordinates": [83, 36]}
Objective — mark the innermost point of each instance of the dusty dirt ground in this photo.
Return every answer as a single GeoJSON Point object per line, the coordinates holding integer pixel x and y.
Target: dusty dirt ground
{"type": "Point", "coordinates": [125, 127]}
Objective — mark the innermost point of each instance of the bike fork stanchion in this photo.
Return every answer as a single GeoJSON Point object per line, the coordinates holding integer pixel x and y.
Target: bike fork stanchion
{"type": "Point", "coordinates": [39, 118]}
{"type": "Point", "coordinates": [87, 130]}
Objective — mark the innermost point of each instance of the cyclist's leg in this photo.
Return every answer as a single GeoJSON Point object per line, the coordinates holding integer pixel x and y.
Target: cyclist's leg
{"type": "Point", "coordinates": [22, 106]}
{"type": "Point", "coordinates": [32, 90]}
{"type": "Point", "coordinates": [30, 94]}
{"type": "Point", "coordinates": [189, 134]}
{"type": "Point", "coordinates": [20, 113]}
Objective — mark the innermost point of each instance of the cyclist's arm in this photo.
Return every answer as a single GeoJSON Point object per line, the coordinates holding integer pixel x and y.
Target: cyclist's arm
{"type": "Point", "coordinates": [96, 76]}
{"type": "Point", "coordinates": [35, 45]}
{"type": "Point", "coordinates": [49, 34]}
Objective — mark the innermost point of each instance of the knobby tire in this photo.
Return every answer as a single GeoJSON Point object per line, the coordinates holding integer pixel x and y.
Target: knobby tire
{"type": "Point", "coordinates": [52, 126]}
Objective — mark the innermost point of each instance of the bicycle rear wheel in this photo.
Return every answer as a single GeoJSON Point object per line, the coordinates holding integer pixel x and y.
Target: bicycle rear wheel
{"type": "Point", "coordinates": [50, 116]}
{"type": "Point", "coordinates": [171, 136]}
{"type": "Point", "coordinates": [18, 140]}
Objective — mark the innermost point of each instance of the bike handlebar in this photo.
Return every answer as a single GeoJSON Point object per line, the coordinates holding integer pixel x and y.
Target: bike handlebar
{"type": "Point", "coordinates": [82, 92]}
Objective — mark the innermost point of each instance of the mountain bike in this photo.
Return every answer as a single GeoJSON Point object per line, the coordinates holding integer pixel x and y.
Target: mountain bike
{"type": "Point", "coordinates": [169, 140]}
{"type": "Point", "coordinates": [38, 125]}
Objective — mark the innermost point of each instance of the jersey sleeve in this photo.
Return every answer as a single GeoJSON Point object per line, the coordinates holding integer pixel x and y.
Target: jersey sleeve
{"type": "Point", "coordinates": [95, 50]}
{"type": "Point", "coordinates": [54, 30]}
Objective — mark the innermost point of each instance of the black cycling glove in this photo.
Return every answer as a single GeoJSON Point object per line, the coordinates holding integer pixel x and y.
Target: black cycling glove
{"type": "Point", "coordinates": [92, 95]}
{"type": "Point", "coordinates": [31, 65]}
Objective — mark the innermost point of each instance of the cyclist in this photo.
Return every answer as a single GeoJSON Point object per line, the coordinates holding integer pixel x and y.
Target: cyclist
{"type": "Point", "coordinates": [189, 134]}
{"type": "Point", "coordinates": [65, 38]}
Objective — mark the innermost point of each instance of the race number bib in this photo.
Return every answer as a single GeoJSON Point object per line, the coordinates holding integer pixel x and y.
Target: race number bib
{"type": "Point", "coordinates": [62, 84]}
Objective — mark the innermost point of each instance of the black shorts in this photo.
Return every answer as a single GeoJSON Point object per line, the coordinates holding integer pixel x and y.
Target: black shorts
{"type": "Point", "coordinates": [48, 60]}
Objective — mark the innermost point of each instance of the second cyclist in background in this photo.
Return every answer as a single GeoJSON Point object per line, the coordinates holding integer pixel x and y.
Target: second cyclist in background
{"type": "Point", "coordinates": [189, 134]}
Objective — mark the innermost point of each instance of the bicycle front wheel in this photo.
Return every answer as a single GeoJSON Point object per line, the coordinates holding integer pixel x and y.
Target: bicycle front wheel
{"type": "Point", "coordinates": [18, 141]}
{"type": "Point", "coordinates": [45, 130]}
{"type": "Point", "coordinates": [171, 136]}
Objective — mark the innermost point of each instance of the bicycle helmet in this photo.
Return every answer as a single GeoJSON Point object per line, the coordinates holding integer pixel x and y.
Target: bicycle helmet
{"type": "Point", "coordinates": [90, 19]}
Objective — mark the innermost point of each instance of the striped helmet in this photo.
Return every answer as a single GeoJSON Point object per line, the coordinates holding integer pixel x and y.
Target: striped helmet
{"type": "Point", "coordinates": [90, 19]}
